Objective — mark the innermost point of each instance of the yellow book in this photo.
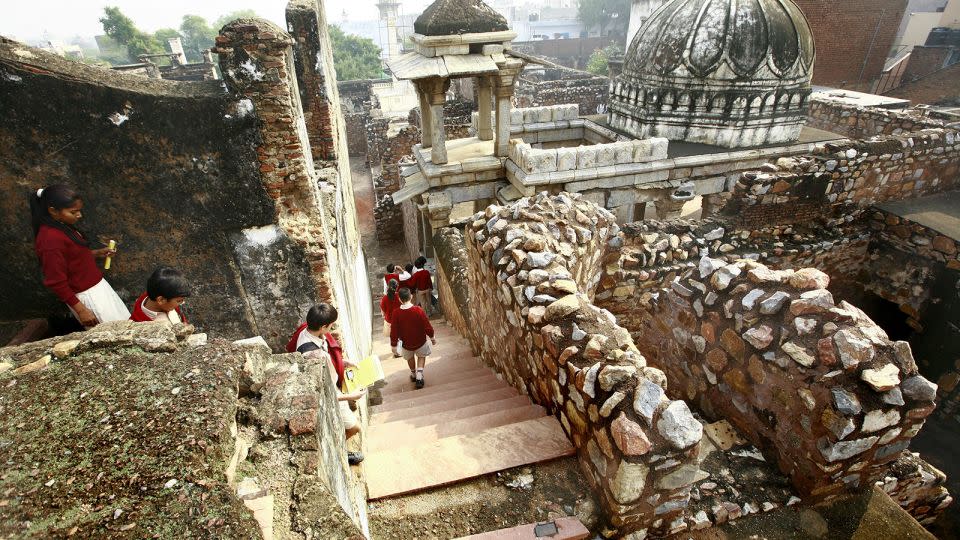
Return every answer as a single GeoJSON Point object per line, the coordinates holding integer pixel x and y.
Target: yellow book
{"type": "Point", "coordinates": [363, 375]}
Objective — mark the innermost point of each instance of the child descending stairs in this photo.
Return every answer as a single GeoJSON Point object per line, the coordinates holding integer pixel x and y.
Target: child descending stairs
{"type": "Point", "coordinates": [464, 423]}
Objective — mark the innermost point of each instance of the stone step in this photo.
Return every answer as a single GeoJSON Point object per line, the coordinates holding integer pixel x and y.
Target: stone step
{"type": "Point", "coordinates": [378, 440]}
{"type": "Point", "coordinates": [401, 425]}
{"type": "Point", "coordinates": [439, 406]}
{"type": "Point", "coordinates": [452, 399]}
{"type": "Point", "coordinates": [451, 459]}
{"type": "Point", "coordinates": [464, 379]}
{"type": "Point", "coordinates": [568, 528]}
{"type": "Point", "coordinates": [436, 373]}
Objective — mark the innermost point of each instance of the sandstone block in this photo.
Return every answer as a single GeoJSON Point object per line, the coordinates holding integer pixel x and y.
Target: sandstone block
{"type": "Point", "coordinates": [628, 483]}
{"type": "Point", "coordinates": [877, 420]}
{"type": "Point", "coordinates": [629, 436]}
{"type": "Point", "coordinates": [561, 308]}
{"type": "Point", "coordinates": [882, 379]}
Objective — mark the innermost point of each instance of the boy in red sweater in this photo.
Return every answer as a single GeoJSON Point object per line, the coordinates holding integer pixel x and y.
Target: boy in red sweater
{"type": "Point", "coordinates": [423, 284]}
{"type": "Point", "coordinates": [412, 327]}
{"type": "Point", "coordinates": [167, 290]}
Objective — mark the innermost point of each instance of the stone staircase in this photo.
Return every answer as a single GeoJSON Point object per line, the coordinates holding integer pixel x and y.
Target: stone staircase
{"type": "Point", "coordinates": [464, 423]}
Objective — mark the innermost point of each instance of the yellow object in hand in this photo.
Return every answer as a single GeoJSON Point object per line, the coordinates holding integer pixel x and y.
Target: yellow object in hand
{"type": "Point", "coordinates": [111, 246]}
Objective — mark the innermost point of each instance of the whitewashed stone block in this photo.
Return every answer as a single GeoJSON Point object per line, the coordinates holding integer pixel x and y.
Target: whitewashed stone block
{"type": "Point", "coordinates": [566, 159]}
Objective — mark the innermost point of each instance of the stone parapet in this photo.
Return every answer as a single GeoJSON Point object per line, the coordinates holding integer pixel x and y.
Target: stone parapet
{"type": "Point", "coordinates": [532, 268]}
{"type": "Point", "coordinates": [865, 122]}
{"type": "Point", "coordinates": [816, 385]}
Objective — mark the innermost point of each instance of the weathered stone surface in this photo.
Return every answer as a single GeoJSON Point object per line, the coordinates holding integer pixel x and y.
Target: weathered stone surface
{"type": "Point", "coordinates": [853, 349]}
{"type": "Point", "coordinates": [841, 426]}
{"type": "Point", "coordinates": [65, 348]}
{"type": "Point", "coordinates": [815, 301]}
{"type": "Point", "coordinates": [774, 304]}
{"type": "Point", "coordinates": [881, 379]}
{"type": "Point", "coordinates": [646, 399]}
{"type": "Point", "coordinates": [877, 420]}
{"type": "Point", "coordinates": [539, 259]}
{"type": "Point", "coordinates": [611, 403]}
{"type": "Point", "coordinates": [845, 449]}
{"type": "Point", "coordinates": [760, 337]}
{"type": "Point", "coordinates": [611, 376]}
{"type": "Point", "coordinates": [804, 326]}
{"type": "Point", "coordinates": [723, 276]}
{"type": "Point", "coordinates": [799, 354]}
{"type": "Point", "coordinates": [750, 299]}
{"type": "Point", "coordinates": [845, 402]}
{"type": "Point", "coordinates": [561, 308]}
{"type": "Point", "coordinates": [628, 483]}
{"type": "Point", "coordinates": [629, 436]}
{"type": "Point", "coordinates": [919, 388]}
{"type": "Point", "coordinates": [708, 266]}
{"type": "Point", "coordinates": [678, 426]}
{"type": "Point", "coordinates": [683, 476]}
{"type": "Point", "coordinates": [733, 344]}
{"type": "Point", "coordinates": [809, 278]}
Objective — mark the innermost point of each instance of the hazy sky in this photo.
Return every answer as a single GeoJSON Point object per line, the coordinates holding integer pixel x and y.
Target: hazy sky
{"type": "Point", "coordinates": [63, 19]}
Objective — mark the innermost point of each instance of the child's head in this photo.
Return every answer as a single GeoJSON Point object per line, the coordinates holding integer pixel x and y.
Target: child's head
{"type": "Point", "coordinates": [321, 317]}
{"type": "Point", "coordinates": [405, 295]}
{"type": "Point", "coordinates": [392, 286]}
{"type": "Point", "coordinates": [167, 287]}
{"type": "Point", "coordinates": [55, 204]}
{"type": "Point", "coordinates": [420, 262]}
{"type": "Point", "coordinates": [408, 268]}
{"type": "Point", "coordinates": [391, 267]}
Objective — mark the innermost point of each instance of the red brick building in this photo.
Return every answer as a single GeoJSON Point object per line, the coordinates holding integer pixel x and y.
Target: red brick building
{"type": "Point", "coordinates": [853, 38]}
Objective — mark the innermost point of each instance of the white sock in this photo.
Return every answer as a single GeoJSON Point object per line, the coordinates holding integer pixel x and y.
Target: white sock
{"type": "Point", "coordinates": [420, 374]}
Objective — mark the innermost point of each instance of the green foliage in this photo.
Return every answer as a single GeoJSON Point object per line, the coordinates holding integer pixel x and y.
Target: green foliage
{"type": "Point", "coordinates": [609, 16]}
{"type": "Point", "coordinates": [122, 30]}
{"type": "Point", "coordinates": [197, 36]}
{"type": "Point", "coordinates": [597, 64]}
{"type": "Point", "coordinates": [164, 34]}
{"type": "Point", "coordinates": [354, 57]}
{"type": "Point", "coordinates": [232, 16]}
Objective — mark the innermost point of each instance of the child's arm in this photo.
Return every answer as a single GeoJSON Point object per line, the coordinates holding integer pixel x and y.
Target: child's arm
{"type": "Point", "coordinates": [353, 396]}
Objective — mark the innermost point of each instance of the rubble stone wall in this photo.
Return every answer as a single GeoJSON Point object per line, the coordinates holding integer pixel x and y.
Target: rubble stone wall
{"type": "Point", "coordinates": [533, 266]}
{"type": "Point", "coordinates": [840, 180]}
{"type": "Point", "coordinates": [169, 169]}
{"type": "Point", "coordinates": [453, 289]}
{"type": "Point", "coordinates": [816, 385]}
{"type": "Point", "coordinates": [588, 92]}
{"type": "Point", "coordinates": [864, 122]}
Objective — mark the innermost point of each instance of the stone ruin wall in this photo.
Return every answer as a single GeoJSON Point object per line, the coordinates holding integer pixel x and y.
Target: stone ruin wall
{"type": "Point", "coordinates": [589, 92]}
{"type": "Point", "coordinates": [531, 270]}
{"type": "Point", "coordinates": [865, 122]}
{"type": "Point", "coordinates": [453, 291]}
{"type": "Point", "coordinates": [814, 384]}
{"type": "Point", "coordinates": [239, 202]}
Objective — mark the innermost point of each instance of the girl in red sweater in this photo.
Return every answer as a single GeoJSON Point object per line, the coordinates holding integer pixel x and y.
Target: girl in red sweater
{"type": "Point", "coordinates": [410, 327]}
{"type": "Point", "coordinates": [67, 257]}
{"type": "Point", "coordinates": [388, 303]}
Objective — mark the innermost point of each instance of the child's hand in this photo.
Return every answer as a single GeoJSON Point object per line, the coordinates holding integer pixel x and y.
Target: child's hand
{"type": "Point", "coordinates": [433, 340]}
{"type": "Point", "coordinates": [86, 317]}
{"type": "Point", "coordinates": [356, 395]}
{"type": "Point", "coordinates": [103, 252]}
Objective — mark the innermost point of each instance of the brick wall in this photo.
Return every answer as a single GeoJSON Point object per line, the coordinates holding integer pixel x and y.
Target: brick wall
{"type": "Point", "coordinates": [924, 61]}
{"type": "Point", "coordinates": [938, 88]}
{"type": "Point", "coordinates": [852, 38]}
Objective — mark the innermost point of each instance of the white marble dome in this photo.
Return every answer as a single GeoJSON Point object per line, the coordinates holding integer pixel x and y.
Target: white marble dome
{"type": "Point", "coordinates": [726, 72]}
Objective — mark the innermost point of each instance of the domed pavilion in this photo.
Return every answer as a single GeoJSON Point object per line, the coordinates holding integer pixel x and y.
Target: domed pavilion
{"type": "Point", "coordinates": [730, 73]}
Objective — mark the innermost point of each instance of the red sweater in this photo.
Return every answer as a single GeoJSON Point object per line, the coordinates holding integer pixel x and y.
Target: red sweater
{"type": "Point", "coordinates": [421, 280]}
{"type": "Point", "coordinates": [387, 306]}
{"type": "Point", "coordinates": [411, 326]}
{"type": "Point", "coordinates": [138, 315]}
{"type": "Point", "coordinates": [68, 268]}
{"type": "Point", "coordinates": [388, 277]}
{"type": "Point", "coordinates": [333, 348]}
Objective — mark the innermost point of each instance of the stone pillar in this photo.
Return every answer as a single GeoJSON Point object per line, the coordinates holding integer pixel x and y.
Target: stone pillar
{"type": "Point", "coordinates": [504, 80]}
{"type": "Point", "coordinates": [484, 111]}
{"type": "Point", "coordinates": [438, 95]}
{"type": "Point", "coordinates": [426, 119]}
{"type": "Point", "coordinates": [668, 208]}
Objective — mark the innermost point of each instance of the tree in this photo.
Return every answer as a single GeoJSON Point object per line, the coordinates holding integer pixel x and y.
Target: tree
{"type": "Point", "coordinates": [610, 16]}
{"type": "Point", "coordinates": [354, 57]}
{"type": "Point", "coordinates": [197, 36]}
{"type": "Point", "coordinates": [121, 29]}
{"type": "Point", "coordinates": [597, 64]}
{"type": "Point", "coordinates": [164, 34]}
{"type": "Point", "coordinates": [232, 16]}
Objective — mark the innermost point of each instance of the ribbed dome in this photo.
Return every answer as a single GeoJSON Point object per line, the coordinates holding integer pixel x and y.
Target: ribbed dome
{"type": "Point", "coordinates": [725, 40]}
{"type": "Point", "coordinates": [454, 17]}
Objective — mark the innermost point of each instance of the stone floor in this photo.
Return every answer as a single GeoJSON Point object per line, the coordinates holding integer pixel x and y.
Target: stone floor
{"type": "Point", "coordinates": [939, 212]}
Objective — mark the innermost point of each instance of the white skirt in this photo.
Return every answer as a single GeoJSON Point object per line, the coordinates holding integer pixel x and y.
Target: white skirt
{"type": "Point", "coordinates": [103, 301]}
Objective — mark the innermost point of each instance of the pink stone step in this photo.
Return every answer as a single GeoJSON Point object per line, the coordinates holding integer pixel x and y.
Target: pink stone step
{"type": "Point", "coordinates": [449, 397]}
{"type": "Point", "coordinates": [451, 459]}
{"type": "Point", "coordinates": [405, 424]}
{"type": "Point", "coordinates": [568, 528]}
{"type": "Point", "coordinates": [465, 380]}
{"type": "Point", "coordinates": [416, 436]}
{"type": "Point", "coordinates": [434, 373]}
{"type": "Point", "coordinates": [441, 406]}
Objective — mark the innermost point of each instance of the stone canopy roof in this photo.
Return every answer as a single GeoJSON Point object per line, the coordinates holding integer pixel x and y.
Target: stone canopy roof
{"type": "Point", "coordinates": [454, 17]}
{"type": "Point", "coordinates": [724, 39]}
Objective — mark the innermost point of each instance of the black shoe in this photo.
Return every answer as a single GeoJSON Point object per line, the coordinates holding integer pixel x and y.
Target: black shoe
{"type": "Point", "coordinates": [413, 378]}
{"type": "Point", "coordinates": [354, 458]}
{"type": "Point", "coordinates": [419, 383]}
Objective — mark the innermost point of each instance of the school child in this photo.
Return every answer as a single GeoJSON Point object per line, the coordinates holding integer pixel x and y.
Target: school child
{"type": "Point", "coordinates": [392, 273]}
{"type": "Point", "coordinates": [388, 303]}
{"type": "Point", "coordinates": [411, 326]}
{"type": "Point", "coordinates": [405, 275]}
{"type": "Point", "coordinates": [166, 292]}
{"type": "Point", "coordinates": [423, 284]}
{"type": "Point", "coordinates": [68, 258]}
{"type": "Point", "coordinates": [314, 339]}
